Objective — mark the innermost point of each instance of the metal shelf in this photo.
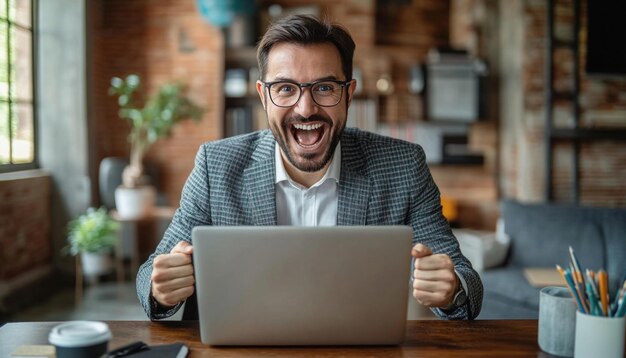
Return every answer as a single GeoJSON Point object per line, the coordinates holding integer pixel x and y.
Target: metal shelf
{"type": "Point", "coordinates": [576, 134]}
{"type": "Point", "coordinates": [588, 134]}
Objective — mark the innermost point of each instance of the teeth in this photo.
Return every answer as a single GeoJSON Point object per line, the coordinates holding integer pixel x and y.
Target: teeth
{"type": "Point", "coordinates": [308, 127]}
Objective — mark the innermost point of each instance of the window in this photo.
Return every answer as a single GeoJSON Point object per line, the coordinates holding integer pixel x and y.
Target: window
{"type": "Point", "coordinates": [17, 119]}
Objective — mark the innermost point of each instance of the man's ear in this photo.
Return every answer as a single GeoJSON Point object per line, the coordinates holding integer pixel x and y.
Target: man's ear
{"type": "Point", "coordinates": [351, 90]}
{"type": "Point", "coordinates": [260, 88]}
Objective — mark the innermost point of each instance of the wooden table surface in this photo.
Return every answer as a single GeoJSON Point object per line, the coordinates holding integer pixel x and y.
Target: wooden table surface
{"type": "Point", "coordinates": [432, 338]}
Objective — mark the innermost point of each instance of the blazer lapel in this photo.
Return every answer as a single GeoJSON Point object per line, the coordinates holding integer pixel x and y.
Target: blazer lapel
{"type": "Point", "coordinates": [354, 190]}
{"type": "Point", "coordinates": [259, 184]}
{"type": "Point", "coordinates": [354, 187]}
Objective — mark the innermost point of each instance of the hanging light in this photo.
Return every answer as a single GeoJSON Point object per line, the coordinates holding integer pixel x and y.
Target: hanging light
{"type": "Point", "coordinates": [221, 13]}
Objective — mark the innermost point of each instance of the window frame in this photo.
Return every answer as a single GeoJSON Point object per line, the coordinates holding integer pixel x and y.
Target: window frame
{"type": "Point", "coordinates": [12, 167]}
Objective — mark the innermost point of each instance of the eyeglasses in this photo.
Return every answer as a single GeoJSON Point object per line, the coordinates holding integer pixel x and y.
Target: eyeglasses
{"type": "Point", "coordinates": [325, 93]}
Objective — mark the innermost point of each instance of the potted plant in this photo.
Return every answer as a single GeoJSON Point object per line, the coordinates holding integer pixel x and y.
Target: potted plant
{"type": "Point", "coordinates": [93, 235]}
{"type": "Point", "coordinates": [150, 118]}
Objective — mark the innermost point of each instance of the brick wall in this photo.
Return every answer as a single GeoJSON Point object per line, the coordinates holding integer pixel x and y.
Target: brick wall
{"type": "Point", "coordinates": [405, 33]}
{"type": "Point", "coordinates": [24, 223]}
{"type": "Point", "coordinates": [161, 40]}
{"type": "Point", "coordinates": [358, 16]}
{"type": "Point", "coordinates": [603, 104]}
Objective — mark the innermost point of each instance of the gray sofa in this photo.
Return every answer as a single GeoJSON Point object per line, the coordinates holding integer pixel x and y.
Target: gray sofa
{"type": "Point", "coordinates": [540, 236]}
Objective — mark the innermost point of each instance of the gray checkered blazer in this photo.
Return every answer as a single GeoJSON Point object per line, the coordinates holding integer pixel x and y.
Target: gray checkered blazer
{"type": "Point", "coordinates": [383, 181]}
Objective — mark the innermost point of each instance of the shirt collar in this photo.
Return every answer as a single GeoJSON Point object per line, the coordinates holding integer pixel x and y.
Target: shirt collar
{"type": "Point", "coordinates": [333, 171]}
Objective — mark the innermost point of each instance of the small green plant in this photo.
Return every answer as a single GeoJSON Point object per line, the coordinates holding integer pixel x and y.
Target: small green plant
{"type": "Point", "coordinates": [92, 232]}
{"type": "Point", "coordinates": [150, 118]}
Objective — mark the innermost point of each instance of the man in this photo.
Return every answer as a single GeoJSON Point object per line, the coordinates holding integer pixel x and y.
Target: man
{"type": "Point", "coordinates": [310, 171]}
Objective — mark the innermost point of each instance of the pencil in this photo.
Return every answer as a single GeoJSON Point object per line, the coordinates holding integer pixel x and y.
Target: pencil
{"type": "Point", "coordinates": [578, 287]}
{"type": "Point", "coordinates": [592, 282]}
{"type": "Point", "coordinates": [570, 287]}
{"type": "Point", "coordinates": [574, 259]}
{"type": "Point", "coordinates": [593, 301]}
{"type": "Point", "coordinates": [567, 282]}
{"type": "Point", "coordinates": [603, 286]}
{"type": "Point", "coordinates": [579, 276]}
{"type": "Point", "coordinates": [621, 308]}
{"type": "Point", "coordinates": [614, 305]}
{"type": "Point", "coordinates": [622, 292]}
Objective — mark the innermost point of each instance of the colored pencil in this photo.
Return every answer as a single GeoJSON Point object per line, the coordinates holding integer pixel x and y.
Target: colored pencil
{"type": "Point", "coordinates": [590, 279]}
{"type": "Point", "coordinates": [604, 294]}
{"type": "Point", "coordinates": [579, 280]}
{"type": "Point", "coordinates": [621, 308]}
{"type": "Point", "coordinates": [570, 285]}
{"type": "Point", "coordinates": [593, 300]}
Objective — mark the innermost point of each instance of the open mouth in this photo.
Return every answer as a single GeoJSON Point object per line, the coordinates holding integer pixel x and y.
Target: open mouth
{"type": "Point", "coordinates": [308, 135]}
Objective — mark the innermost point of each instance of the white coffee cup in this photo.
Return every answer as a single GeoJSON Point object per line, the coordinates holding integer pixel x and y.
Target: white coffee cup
{"type": "Point", "coordinates": [80, 339]}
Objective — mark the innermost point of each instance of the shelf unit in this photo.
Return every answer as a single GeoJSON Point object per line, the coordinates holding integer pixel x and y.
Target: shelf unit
{"type": "Point", "coordinates": [577, 134]}
{"type": "Point", "coordinates": [244, 112]}
{"type": "Point", "coordinates": [398, 112]}
{"type": "Point", "coordinates": [552, 96]}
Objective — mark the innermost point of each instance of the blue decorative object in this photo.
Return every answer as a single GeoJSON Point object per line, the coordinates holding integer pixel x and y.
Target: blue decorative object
{"type": "Point", "coordinates": [221, 13]}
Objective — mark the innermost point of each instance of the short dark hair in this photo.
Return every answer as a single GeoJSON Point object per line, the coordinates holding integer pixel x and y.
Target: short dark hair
{"type": "Point", "coordinates": [305, 30]}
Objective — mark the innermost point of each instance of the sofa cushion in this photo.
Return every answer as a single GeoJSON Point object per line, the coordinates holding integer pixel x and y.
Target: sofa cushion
{"type": "Point", "coordinates": [542, 233]}
{"type": "Point", "coordinates": [509, 285]}
{"type": "Point", "coordinates": [495, 307]}
{"type": "Point", "coordinates": [614, 229]}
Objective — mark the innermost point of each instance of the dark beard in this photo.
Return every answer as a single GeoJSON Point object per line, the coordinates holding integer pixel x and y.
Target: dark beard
{"type": "Point", "coordinates": [309, 166]}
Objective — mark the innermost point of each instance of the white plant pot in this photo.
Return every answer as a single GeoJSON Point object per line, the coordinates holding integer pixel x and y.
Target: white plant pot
{"type": "Point", "coordinates": [95, 263]}
{"type": "Point", "coordinates": [134, 203]}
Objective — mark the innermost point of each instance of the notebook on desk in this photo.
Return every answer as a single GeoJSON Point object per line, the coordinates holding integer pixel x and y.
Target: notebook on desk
{"type": "Point", "coordinates": [542, 277]}
{"type": "Point", "coordinates": [286, 285]}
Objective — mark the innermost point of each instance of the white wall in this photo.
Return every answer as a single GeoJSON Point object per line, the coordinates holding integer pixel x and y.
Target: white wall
{"type": "Point", "coordinates": [62, 109]}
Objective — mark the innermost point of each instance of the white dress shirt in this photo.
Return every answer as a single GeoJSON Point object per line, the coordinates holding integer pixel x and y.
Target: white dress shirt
{"type": "Point", "coordinates": [297, 205]}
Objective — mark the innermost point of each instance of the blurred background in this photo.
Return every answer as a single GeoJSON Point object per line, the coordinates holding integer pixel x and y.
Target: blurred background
{"type": "Point", "coordinates": [516, 99]}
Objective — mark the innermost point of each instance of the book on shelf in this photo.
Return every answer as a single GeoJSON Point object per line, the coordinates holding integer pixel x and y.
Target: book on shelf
{"type": "Point", "coordinates": [259, 118]}
{"type": "Point", "coordinates": [363, 114]}
{"type": "Point", "coordinates": [238, 121]}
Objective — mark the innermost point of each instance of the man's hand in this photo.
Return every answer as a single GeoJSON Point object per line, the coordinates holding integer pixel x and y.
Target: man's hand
{"type": "Point", "coordinates": [435, 281]}
{"type": "Point", "coordinates": [172, 275]}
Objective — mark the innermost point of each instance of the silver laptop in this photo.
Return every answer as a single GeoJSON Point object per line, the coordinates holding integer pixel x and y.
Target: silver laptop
{"type": "Point", "coordinates": [287, 285]}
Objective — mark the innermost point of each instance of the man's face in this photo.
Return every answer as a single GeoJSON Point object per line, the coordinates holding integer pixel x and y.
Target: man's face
{"type": "Point", "coordinates": [307, 133]}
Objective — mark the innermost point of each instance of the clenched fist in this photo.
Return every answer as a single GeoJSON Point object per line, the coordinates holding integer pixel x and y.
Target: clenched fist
{"type": "Point", "coordinates": [435, 281]}
{"type": "Point", "coordinates": [172, 275]}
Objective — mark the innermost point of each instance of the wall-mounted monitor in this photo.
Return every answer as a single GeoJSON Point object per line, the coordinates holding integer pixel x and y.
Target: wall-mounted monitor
{"type": "Point", "coordinates": [606, 27]}
{"type": "Point", "coordinates": [453, 86]}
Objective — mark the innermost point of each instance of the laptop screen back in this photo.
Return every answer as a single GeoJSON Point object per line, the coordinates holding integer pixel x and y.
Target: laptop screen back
{"type": "Point", "coordinates": [286, 285]}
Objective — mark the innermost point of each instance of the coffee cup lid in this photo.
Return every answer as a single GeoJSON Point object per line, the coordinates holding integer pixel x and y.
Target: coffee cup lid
{"type": "Point", "coordinates": [79, 334]}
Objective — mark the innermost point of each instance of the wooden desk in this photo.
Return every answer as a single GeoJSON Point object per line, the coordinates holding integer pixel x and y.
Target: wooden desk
{"type": "Point", "coordinates": [501, 338]}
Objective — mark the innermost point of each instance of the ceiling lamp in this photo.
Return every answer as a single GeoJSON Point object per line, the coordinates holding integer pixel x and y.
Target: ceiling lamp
{"type": "Point", "coordinates": [221, 13]}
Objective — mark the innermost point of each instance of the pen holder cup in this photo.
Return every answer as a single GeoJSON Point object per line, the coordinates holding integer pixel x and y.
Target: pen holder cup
{"type": "Point", "coordinates": [557, 321]}
{"type": "Point", "coordinates": [598, 336]}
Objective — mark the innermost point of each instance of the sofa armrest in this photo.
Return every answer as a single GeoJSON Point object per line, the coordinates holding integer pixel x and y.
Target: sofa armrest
{"type": "Point", "coordinates": [484, 249]}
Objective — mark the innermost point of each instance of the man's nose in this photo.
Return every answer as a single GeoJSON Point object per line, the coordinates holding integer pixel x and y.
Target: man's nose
{"type": "Point", "coordinates": [306, 106]}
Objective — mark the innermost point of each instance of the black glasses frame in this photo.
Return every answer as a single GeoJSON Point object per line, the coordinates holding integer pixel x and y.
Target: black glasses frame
{"type": "Point", "coordinates": [302, 86]}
